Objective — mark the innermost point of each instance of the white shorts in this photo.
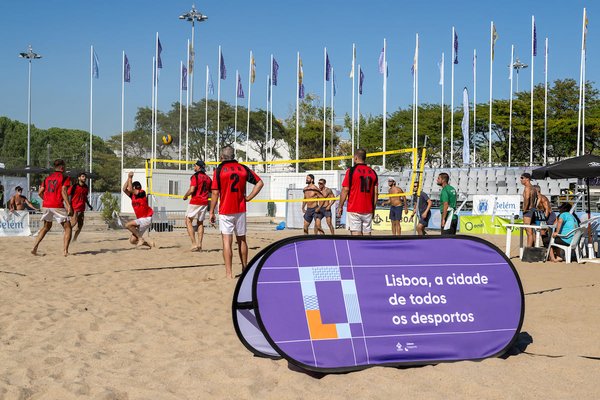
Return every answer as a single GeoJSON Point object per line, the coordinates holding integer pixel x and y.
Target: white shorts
{"type": "Point", "coordinates": [360, 222]}
{"type": "Point", "coordinates": [233, 223]}
{"type": "Point", "coordinates": [196, 211]}
{"type": "Point", "coordinates": [59, 215]}
{"type": "Point", "coordinates": [143, 224]}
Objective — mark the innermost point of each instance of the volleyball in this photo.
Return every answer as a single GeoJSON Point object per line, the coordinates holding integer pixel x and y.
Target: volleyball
{"type": "Point", "coordinates": [167, 139]}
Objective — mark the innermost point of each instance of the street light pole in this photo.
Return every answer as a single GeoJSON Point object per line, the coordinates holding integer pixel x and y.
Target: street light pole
{"type": "Point", "coordinates": [29, 55]}
{"type": "Point", "coordinates": [518, 65]}
{"type": "Point", "coordinates": [192, 16]}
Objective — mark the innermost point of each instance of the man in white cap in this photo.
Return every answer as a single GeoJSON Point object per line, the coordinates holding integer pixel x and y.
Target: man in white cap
{"type": "Point", "coordinates": [396, 206]}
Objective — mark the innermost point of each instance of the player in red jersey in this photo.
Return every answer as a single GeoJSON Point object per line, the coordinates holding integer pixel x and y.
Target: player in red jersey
{"type": "Point", "coordinates": [143, 212]}
{"type": "Point", "coordinates": [79, 198]}
{"type": "Point", "coordinates": [229, 189]}
{"type": "Point", "coordinates": [55, 205]}
{"type": "Point", "coordinates": [360, 187]}
{"type": "Point", "coordinates": [198, 192]}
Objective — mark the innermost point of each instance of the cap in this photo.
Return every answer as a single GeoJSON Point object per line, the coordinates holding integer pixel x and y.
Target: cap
{"type": "Point", "coordinates": [526, 175]}
{"type": "Point", "coordinates": [391, 179]}
{"type": "Point", "coordinates": [201, 164]}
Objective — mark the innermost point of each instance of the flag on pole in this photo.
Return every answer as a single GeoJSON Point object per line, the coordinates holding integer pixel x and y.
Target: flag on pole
{"type": "Point", "coordinates": [211, 86]}
{"type": "Point", "coordinates": [465, 127]}
{"type": "Point", "coordinates": [585, 24]}
{"type": "Point", "coordinates": [184, 73]}
{"type": "Point", "coordinates": [127, 71]}
{"type": "Point", "coordinates": [159, 62]}
{"type": "Point", "coordinates": [223, 68]}
{"type": "Point", "coordinates": [191, 53]}
{"type": "Point", "coordinates": [252, 69]}
{"type": "Point", "coordinates": [334, 85]}
{"type": "Point", "coordinates": [327, 68]}
{"type": "Point", "coordinates": [96, 66]}
{"type": "Point", "coordinates": [275, 71]}
{"type": "Point", "coordinates": [269, 89]}
{"type": "Point", "coordinates": [381, 61]}
{"type": "Point", "coordinates": [240, 89]}
{"type": "Point", "coordinates": [300, 79]}
{"type": "Point", "coordinates": [414, 64]}
{"type": "Point", "coordinates": [494, 38]}
{"type": "Point", "coordinates": [455, 47]}
{"type": "Point", "coordinates": [353, 61]}
{"type": "Point", "coordinates": [361, 78]}
{"type": "Point", "coordinates": [534, 40]}
{"type": "Point", "coordinates": [441, 68]}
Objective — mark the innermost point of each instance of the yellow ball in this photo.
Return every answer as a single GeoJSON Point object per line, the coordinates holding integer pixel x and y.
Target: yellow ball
{"type": "Point", "coordinates": [167, 139]}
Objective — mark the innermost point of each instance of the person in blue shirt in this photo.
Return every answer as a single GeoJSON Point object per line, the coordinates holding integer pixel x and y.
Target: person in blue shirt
{"type": "Point", "coordinates": [565, 224]}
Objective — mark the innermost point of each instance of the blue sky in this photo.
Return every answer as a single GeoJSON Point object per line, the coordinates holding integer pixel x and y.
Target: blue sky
{"type": "Point", "coordinates": [63, 30]}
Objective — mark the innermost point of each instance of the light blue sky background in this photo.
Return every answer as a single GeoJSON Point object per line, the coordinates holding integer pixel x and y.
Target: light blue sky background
{"type": "Point", "coordinates": [63, 30]}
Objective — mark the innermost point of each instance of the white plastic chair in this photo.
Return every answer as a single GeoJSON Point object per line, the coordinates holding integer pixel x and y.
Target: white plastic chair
{"type": "Point", "coordinates": [574, 246]}
{"type": "Point", "coordinates": [586, 245]}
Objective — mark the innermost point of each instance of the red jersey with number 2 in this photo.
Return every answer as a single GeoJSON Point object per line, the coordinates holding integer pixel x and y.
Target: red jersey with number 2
{"type": "Point", "coordinates": [202, 184]}
{"type": "Point", "coordinates": [362, 188]}
{"type": "Point", "coordinates": [230, 179]}
{"type": "Point", "coordinates": [53, 190]}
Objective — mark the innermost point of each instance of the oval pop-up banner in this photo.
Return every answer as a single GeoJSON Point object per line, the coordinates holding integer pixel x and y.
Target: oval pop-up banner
{"type": "Point", "coordinates": [342, 303]}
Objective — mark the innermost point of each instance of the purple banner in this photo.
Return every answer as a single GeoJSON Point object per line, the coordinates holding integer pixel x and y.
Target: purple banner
{"type": "Point", "coordinates": [337, 304]}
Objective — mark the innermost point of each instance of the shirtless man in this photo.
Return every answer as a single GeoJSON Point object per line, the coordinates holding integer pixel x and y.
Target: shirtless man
{"type": "Point", "coordinates": [396, 206]}
{"type": "Point", "coordinates": [529, 202]}
{"type": "Point", "coordinates": [325, 211]}
{"type": "Point", "coordinates": [310, 208]}
{"type": "Point", "coordinates": [18, 201]}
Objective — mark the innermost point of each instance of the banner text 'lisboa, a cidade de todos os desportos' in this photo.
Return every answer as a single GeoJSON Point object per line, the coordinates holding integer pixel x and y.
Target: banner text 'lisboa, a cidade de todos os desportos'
{"type": "Point", "coordinates": [341, 303]}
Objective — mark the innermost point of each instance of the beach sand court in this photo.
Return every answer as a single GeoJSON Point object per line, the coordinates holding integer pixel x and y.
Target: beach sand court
{"type": "Point", "coordinates": [116, 322]}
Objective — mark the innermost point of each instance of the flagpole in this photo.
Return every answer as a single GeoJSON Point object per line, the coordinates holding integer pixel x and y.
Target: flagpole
{"type": "Point", "coordinates": [546, 103]}
{"type": "Point", "coordinates": [452, 101]}
{"type": "Point", "coordinates": [332, 127]}
{"type": "Point", "coordinates": [416, 140]}
{"type": "Point", "coordinates": [187, 110]}
{"type": "Point", "coordinates": [267, 120]}
{"type": "Point", "coordinates": [297, 107]}
{"type": "Point", "coordinates": [153, 102]}
{"type": "Point", "coordinates": [206, 115]}
{"type": "Point", "coordinates": [324, 101]}
{"type": "Point", "coordinates": [219, 107]}
{"type": "Point", "coordinates": [91, 111]}
{"type": "Point", "coordinates": [237, 80]}
{"type": "Point", "coordinates": [358, 111]}
{"type": "Point", "coordinates": [491, 72]}
{"type": "Point", "coordinates": [270, 116]}
{"type": "Point", "coordinates": [156, 106]}
{"type": "Point", "coordinates": [531, 105]}
{"type": "Point", "coordinates": [581, 61]}
{"type": "Point", "coordinates": [180, 106]}
{"type": "Point", "coordinates": [583, 90]}
{"type": "Point", "coordinates": [122, 110]}
{"type": "Point", "coordinates": [414, 91]}
{"type": "Point", "coordinates": [353, 90]}
{"type": "Point", "coordinates": [474, 106]}
{"type": "Point", "coordinates": [249, 95]}
{"type": "Point", "coordinates": [510, 113]}
{"type": "Point", "coordinates": [384, 99]}
{"type": "Point", "coordinates": [443, 82]}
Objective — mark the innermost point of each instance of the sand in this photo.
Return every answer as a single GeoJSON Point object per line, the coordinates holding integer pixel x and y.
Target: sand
{"type": "Point", "coordinates": [116, 322]}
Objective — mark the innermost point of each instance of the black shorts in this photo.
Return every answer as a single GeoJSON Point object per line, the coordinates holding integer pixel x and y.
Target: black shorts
{"type": "Point", "coordinates": [425, 221]}
{"type": "Point", "coordinates": [396, 213]}
{"type": "Point", "coordinates": [561, 242]}
{"type": "Point", "coordinates": [310, 214]}
{"type": "Point", "coordinates": [452, 229]}
{"type": "Point", "coordinates": [529, 214]}
{"type": "Point", "coordinates": [323, 213]}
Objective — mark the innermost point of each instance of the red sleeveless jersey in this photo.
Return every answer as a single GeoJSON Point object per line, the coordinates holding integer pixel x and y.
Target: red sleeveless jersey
{"type": "Point", "coordinates": [361, 180]}
{"type": "Point", "coordinates": [53, 185]}
{"type": "Point", "coordinates": [140, 205]}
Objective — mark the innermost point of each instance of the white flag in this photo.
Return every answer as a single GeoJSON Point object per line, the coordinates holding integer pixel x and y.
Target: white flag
{"type": "Point", "coordinates": [441, 68]}
{"type": "Point", "coordinates": [465, 127]}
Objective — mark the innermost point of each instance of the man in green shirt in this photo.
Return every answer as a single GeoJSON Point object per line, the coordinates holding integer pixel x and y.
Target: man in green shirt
{"type": "Point", "coordinates": [447, 205]}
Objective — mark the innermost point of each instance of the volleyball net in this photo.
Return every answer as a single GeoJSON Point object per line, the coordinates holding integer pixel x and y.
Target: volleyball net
{"type": "Point", "coordinates": [168, 178]}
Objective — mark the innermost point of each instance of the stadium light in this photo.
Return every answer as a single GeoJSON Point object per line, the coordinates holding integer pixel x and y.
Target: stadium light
{"type": "Point", "coordinates": [518, 65]}
{"type": "Point", "coordinates": [29, 55]}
